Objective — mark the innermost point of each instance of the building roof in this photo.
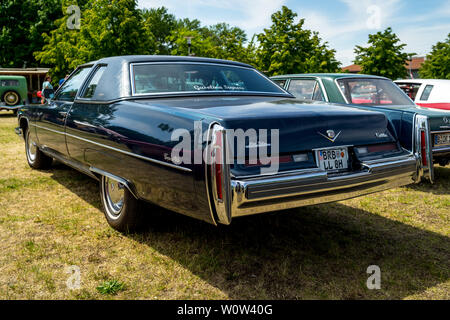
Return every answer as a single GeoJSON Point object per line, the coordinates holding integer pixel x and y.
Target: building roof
{"type": "Point", "coordinates": [352, 68]}
{"type": "Point", "coordinates": [22, 71]}
{"type": "Point", "coordinates": [416, 63]}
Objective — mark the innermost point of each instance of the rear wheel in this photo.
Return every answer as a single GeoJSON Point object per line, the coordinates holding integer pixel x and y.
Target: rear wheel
{"type": "Point", "coordinates": [122, 210]}
{"type": "Point", "coordinates": [35, 157]}
{"type": "Point", "coordinates": [11, 98]}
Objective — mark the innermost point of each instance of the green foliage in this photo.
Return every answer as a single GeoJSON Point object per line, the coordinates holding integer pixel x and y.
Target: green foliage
{"type": "Point", "coordinates": [36, 32]}
{"type": "Point", "coordinates": [110, 287]}
{"type": "Point", "coordinates": [160, 24]}
{"type": "Point", "coordinates": [286, 47]}
{"type": "Point", "coordinates": [384, 56]}
{"type": "Point", "coordinates": [108, 28]}
{"type": "Point", "coordinates": [22, 23]}
{"type": "Point", "coordinates": [437, 64]}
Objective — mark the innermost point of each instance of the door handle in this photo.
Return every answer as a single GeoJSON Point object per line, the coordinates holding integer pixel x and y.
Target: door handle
{"type": "Point", "coordinates": [63, 113]}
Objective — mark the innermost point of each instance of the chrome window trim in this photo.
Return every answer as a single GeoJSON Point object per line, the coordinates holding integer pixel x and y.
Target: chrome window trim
{"type": "Point", "coordinates": [133, 87]}
{"type": "Point", "coordinates": [318, 79]}
{"type": "Point", "coordinates": [116, 149]}
{"type": "Point", "coordinates": [358, 78]}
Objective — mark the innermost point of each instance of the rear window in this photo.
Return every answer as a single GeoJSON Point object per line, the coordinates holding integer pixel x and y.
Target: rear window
{"type": "Point", "coordinates": [373, 92]}
{"type": "Point", "coordinates": [410, 89]}
{"type": "Point", "coordinates": [155, 78]}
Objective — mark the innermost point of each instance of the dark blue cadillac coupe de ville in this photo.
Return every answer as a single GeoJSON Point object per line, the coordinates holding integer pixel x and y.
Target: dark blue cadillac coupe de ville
{"type": "Point", "coordinates": [210, 139]}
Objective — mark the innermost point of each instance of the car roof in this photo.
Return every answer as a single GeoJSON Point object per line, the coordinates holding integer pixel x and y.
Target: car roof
{"type": "Point", "coordinates": [426, 81]}
{"type": "Point", "coordinates": [158, 58]}
{"type": "Point", "coordinates": [332, 76]}
{"type": "Point", "coordinates": [11, 77]}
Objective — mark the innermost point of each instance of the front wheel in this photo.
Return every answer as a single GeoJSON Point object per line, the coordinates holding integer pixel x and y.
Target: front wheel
{"type": "Point", "coordinates": [35, 157]}
{"type": "Point", "coordinates": [122, 210]}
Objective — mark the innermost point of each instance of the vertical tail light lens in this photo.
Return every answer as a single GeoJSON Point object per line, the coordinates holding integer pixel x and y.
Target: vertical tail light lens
{"type": "Point", "coordinates": [219, 172]}
{"type": "Point", "coordinates": [218, 163]}
{"type": "Point", "coordinates": [423, 148]}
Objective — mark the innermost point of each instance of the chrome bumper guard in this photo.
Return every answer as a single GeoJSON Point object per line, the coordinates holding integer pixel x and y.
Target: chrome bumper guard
{"type": "Point", "coordinates": [308, 187]}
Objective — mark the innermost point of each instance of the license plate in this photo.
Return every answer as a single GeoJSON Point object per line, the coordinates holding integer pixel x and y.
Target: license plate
{"type": "Point", "coordinates": [333, 159]}
{"type": "Point", "coordinates": [442, 139]}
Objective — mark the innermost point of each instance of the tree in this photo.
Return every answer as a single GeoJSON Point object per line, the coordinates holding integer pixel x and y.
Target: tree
{"type": "Point", "coordinates": [161, 24]}
{"type": "Point", "coordinates": [437, 63]}
{"type": "Point", "coordinates": [220, 41]}
{"type": "Point", "coordinates": [108, 28]}
{"type": "Point", "coordinates": [287, 47]}
{"type": "Point", "coordinates": [22, 24]}
{"type": "Point", "coordinates": [384, 56]}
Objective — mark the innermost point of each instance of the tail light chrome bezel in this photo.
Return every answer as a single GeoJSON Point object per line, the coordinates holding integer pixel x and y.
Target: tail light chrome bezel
{"type": "Point", "coordinates": [218, 177]}
{"type": "Point", "coordinates": [423, 147]}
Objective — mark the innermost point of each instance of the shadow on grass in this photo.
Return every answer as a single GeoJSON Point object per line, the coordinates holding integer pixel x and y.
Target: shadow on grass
{"type": "Point", "coordinates": [313, 252]}
{"type": "Point", "coordinates": [441, 184]}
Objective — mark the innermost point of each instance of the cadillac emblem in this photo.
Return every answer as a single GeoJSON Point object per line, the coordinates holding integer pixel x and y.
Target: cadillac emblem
{"type": "Point", "coordinates": [331, 135]}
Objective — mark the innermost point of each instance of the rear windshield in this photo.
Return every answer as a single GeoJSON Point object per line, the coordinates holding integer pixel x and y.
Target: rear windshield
{"type": "Point", "coordinates": [154, 78]}
{"type": "Point", "coordinates": [373, 92]}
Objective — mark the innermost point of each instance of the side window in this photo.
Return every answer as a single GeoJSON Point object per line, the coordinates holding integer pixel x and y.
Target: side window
{"type": "Point", "coordinates": [9, 83]}
{"type": "Point", "coordinates": [281, 83]}
{"type": "Point", "coordinates": [91, 89]}
{"type": "Point", "coordinates": [70, 88]}
{"type": "Point", "coordinates": [306, 89]}
{"type": "Point", "coordinates": [426, 93]}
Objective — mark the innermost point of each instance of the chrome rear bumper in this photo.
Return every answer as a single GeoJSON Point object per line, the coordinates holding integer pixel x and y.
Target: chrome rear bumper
{"type": "Point", "coordinates": [308, 187]}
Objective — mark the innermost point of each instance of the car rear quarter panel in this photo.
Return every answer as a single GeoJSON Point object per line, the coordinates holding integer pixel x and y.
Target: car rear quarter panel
{"type": "Point", "coordinates": [133, 141]}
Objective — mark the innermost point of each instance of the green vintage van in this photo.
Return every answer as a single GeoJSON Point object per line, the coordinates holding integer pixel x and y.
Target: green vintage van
{"type": "Point", "coordinates": [13, 92]}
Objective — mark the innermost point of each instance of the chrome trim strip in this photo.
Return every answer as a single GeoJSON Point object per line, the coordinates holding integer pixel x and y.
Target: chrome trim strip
{"type": "Point", "coordinates": [439, 132]}
{"type": "Point", "coordinates": [118, 150]}
{"type": "Point", "coordinates": [444, 149]}
{"type": "Point", "coordinates": [207, 182]}
{"type": "Point", "coordinates": [125, 182]}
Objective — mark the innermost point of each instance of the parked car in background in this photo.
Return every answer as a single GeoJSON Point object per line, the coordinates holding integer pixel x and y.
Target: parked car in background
{"type": "Point", "coordinates": [113, 120]}
{"type": "Point", "coordinates": [427, 93]}
{"type": "Point", "coordinates": [431, 126]}
{"type": "Point", "coordinates": [13, 92]}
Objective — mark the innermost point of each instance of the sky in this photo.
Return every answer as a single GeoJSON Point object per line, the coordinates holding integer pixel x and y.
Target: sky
{"type": "Point", "coordinates": [342, 23]}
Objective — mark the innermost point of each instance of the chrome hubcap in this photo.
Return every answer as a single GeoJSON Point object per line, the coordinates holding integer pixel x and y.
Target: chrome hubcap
{"type": "Point", "coordinates": [11, 98]}
{"type": "Point", "coordinates": [114, 195]}
{"type": "Point", "coordinates": [31, 147]}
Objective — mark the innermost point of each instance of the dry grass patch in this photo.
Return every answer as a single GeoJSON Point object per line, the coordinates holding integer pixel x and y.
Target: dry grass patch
{"type": "Point", "coordinates": [50, 220]}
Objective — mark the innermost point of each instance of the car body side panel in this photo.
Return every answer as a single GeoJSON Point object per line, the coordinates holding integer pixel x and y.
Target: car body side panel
{"type": "Point", "coordinates": [133, 141]}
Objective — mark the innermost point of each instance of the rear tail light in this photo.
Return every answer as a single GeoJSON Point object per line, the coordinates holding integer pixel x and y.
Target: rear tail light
{"type": "Point", "coordinates": [382, 147]}
{"type": "Point", "coordinates": [218, 163]}
{"type": "Point", "coordinates": [281, 159]}
{"type": "Point", "coordinates": [219, 173]}
{"type": "Point", "coordinates": [377, 148]}
{"type": "Point", "coordinates": [423, 148]}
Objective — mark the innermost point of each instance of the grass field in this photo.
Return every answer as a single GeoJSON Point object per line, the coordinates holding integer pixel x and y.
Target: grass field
{"type": "Point", "coordinates": [50, 220]}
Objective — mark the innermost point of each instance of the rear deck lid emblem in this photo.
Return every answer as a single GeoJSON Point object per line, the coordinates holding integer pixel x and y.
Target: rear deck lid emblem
{"type": "Point", "coordinates": [331, 135]}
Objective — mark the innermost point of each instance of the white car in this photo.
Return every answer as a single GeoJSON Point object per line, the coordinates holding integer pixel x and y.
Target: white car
{"type": "Point", "coordinates": [428, 93]}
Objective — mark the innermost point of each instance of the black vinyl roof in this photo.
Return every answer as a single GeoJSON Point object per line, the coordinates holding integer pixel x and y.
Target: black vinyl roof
{"type": "Point", "coordinates": [156, 58]}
